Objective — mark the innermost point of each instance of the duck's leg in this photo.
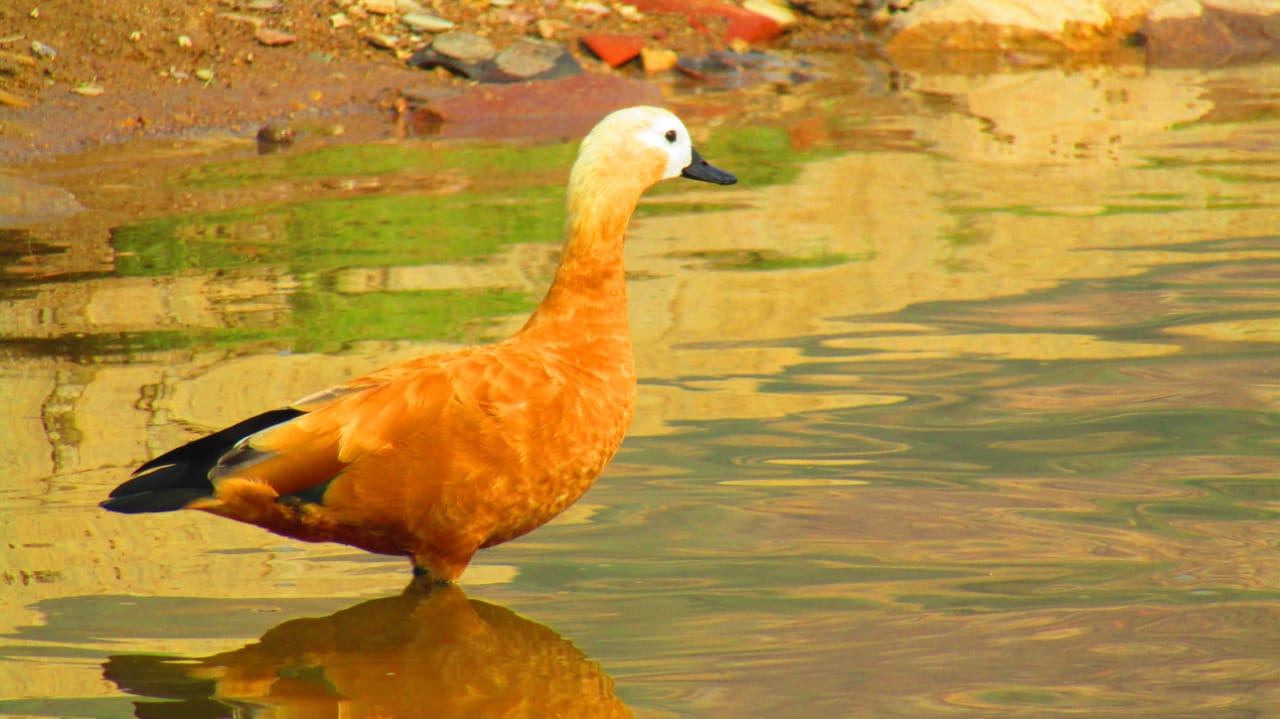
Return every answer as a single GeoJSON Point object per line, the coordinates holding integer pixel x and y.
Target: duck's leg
{"type": "Point", "coordinates": [422, 576]}
{"type": "Point", "coordinates": [431, 567]}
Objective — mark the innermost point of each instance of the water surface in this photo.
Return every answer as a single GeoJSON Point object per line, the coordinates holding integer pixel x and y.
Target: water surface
{"type": "Point", "coordinates": [962, 403]}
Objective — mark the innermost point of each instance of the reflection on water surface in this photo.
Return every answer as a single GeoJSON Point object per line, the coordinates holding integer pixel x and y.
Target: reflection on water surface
{"type": "Point", "coordinates": [429, 651]}
{"type": "Point", "coordinates": [963, 403]}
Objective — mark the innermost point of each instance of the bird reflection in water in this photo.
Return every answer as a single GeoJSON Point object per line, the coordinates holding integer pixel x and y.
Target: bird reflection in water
{"type": "Point", "coordinates": [430, 651]}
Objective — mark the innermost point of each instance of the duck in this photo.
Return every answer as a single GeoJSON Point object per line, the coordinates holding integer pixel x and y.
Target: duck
{"type": "Point", "coordinates": [444, 454]}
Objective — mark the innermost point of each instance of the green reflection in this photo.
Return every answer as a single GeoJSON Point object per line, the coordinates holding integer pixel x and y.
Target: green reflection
{"type": "Point", "coordinates": [381, 159]}
{"type": "Point", "coordinates": [332, 233]}
{"type": "Point", "coordinates": [326, 322]}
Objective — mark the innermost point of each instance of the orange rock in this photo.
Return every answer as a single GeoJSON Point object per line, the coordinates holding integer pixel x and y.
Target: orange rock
{"type": "Point", "coordinates": [658, 59]}
{"type": "Point", "coordinates": [617, 50]}
{"type": "Point", "coordinates": [742, 24]}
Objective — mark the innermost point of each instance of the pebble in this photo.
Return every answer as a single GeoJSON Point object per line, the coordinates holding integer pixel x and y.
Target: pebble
{"type": "Point", "coordinates": [274, 38]}
{"type": "Point", "coordinates": [265, 5]}
{"type": "Point", "coordinates": [549, 27]}
{"type": "Point", "coordinates": [404, 7]}
{"type": "Point", "coordinates": [828, 9]}
{"type": "Point", "coordinates": [464, 46]}
{"type": "Point", "coordinates": [772, 10]}
{"type": "Point", "coordinates": [381, 40]}
{"type": "Point", "coordinates": [46, 51]}
{"type": "Point", "coordinates": [205, 74]}
{"type": "Point", "coordinates": [88, 89]}
{"type": "Point", "coordinates": [9, 61]}
{"type": "Point", "coordinates": [592, 10]}
{"type": "Point", "coordinates": [273, 138]}
{"type": "Point", "coordinates": [253, 20]}
{"type": "Point", "coordinates": [658, 59]}
{"type": "Point", "coordinates": [184, 41]}
{"type": "Point", "coordinates": [339, 21]}
{"type": "Point", "coordinates": [426, 22]}
{"type": "Point", "coordinates": [528, 59]}
{"type": "Point", "coordinates": [12, 100]}
{"type": "Point", "coordinates": [275, 133]}
{"type": "Point", "coordinates": [380, 7]}
{"type": "Point", "coordinates": [518, 18]}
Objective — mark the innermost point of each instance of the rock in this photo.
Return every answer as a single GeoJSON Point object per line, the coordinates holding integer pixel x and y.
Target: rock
{"type": "Point", "coordinates": [550, 27]}
{"type": "Point", "coordinates": [1199, 32]}
{"type": "Point", "coordinates": [253, 20]}
{"type": "Point", "coordinates": [275, 133]}
{"type": "Point", "coordinates": [616, 50]}
{"type": "Point", "coordinates": [517, 18]}
{"type": "Point", "coordinates": [775, 11]}
{"type": "Point", "coordinates": [88, 89]}
{"type": "Point", "coordinates": [741, 24]}
{"type": "Point", "coordinates": [339, 21]}
{"type": "Point", "coordinates": [11, 62]}
{"type": "Point", "coordinates": [426, 22]}
{"type": "Point", "coordinates": [404, 7]}
{"type": "Point", "coordinates": [828, 9]}
{"type": "Point", "coordinates": [380, 7]}
{"type": "Point", "coordinates": [45, 51]}
{"type": "Point", "coordinates": [525, 59]}
{"type": "Point", "coordinates": [1017, 25]}
{"type": "Point", "coordinates": [382, 41]}
{"type": "Point", "coordinates": [274, 137]}
{"type": "Point", "coordinates": [274, 38]}
{"type": "Point", "coordinates": [657, 60]}
{"type": "Point", "coordinates": [464, 46]}
{"type": "Point", "coordinates": [529, 59]}
{"type": "Point", "coordinates": [592, 11]}
{"type": "Point", "coordinates": [12, 100]}
{"type": "Point", "coordinates": [462, 53]}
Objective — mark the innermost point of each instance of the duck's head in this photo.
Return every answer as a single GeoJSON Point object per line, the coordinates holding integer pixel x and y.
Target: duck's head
{"type": "Point", "coordinates": [648, 144]}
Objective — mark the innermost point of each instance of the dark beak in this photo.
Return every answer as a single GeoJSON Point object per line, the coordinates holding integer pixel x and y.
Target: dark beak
{"type": "Point", "coordinates": [700, 169]}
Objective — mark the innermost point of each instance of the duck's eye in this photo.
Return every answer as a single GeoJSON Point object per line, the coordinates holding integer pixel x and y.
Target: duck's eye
{"type": "Point", "coordinates": [671, 136]}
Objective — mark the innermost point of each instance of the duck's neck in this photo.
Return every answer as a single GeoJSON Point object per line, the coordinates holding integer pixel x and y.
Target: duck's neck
{"type": "Point", "coordinates": [587, 300]}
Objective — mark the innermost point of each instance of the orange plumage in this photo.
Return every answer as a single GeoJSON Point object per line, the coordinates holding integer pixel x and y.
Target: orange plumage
{"type": "Point", "coordinates": [441, 455]}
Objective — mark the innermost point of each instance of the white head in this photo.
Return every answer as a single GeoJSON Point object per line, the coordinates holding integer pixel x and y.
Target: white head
{"type": "Point", "coordinates": [648, 143]}
{"type": "Point", "coordinates": [663, 130]}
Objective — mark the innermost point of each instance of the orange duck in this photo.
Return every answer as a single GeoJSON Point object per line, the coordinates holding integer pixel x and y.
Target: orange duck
{"type": "Point", "coordinates": [444, 454]}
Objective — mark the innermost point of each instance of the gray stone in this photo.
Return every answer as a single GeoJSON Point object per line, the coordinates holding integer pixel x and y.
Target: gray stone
{"type": "Point", "coordinates": [527, 59]}
{"type": "Point", "coordinates": [464, 46]}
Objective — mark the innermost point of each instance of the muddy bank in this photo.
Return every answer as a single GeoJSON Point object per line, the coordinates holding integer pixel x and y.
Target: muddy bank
{"type": "Point", "coordinates": [71, 80]}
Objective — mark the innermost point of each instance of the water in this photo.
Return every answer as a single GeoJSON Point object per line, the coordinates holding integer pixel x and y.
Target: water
{"type": "Point", "coordinates": [963, 403]}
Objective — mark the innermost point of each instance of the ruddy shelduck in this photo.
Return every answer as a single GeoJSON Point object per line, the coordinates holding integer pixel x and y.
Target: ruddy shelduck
{"type": "Point", "coordinates": [447, 453]}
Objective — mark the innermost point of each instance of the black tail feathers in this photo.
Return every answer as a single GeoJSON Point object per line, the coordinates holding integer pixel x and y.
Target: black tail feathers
{"type": "Point", "coordinates": [176, 478]}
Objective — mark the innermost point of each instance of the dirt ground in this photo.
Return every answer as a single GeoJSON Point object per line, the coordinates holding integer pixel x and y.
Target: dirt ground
{"type": "Point", "coordinates": [75, 75]}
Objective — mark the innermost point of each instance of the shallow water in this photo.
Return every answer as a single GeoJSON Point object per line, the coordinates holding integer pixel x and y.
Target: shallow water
{"type": "Point", "coordinates": [963, 403]}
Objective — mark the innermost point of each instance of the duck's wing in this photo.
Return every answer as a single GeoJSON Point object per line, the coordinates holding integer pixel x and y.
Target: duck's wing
{"type": "Point", "coordinates": [296, 450]}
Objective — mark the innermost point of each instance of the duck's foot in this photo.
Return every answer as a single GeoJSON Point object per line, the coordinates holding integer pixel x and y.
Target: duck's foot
{"type": "Point", "coordinates": [423, 576]}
